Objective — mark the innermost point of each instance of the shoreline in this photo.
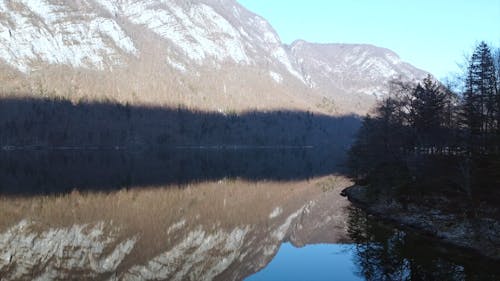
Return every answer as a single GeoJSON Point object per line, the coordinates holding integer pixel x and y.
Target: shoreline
{"type": "Point", "coordinates": [479, 235]}
{"type": "Point", "coordinates": [168, 147]}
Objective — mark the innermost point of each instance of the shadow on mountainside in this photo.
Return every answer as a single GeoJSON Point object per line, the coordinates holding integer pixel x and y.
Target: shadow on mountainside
{"type": "Point", "coordinates": [55, 123]}
{"type": "Point", "coordinates": [53, 146]}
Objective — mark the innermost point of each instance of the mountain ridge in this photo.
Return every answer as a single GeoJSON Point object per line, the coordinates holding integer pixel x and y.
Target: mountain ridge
{"type": "Point", "coordinates": [214, 54]}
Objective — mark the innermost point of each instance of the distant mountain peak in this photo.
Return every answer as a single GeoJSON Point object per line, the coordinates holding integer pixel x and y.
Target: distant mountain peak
{"type": "Point", "coordinates": [352, 68]}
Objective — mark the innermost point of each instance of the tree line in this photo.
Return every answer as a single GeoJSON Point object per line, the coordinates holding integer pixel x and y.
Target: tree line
{"type": "Point", "coordinates": [55, 123]}
{"type": "Point", "coordinates": [429, 135]}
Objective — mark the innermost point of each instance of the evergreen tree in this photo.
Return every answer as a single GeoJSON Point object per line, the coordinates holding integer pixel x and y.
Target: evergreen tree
{"type": "Point", "coordinates": [430, 118]}
{"type": "Point", "coordinates": [481, 100]}
{"type": "Point", "coordinates": [496, 61]}
{"type": "Point", "coordinates": [428, 113]}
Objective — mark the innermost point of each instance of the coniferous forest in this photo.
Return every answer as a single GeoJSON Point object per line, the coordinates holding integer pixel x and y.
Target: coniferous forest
{"type": "Point", "coordinates": [434, 139]}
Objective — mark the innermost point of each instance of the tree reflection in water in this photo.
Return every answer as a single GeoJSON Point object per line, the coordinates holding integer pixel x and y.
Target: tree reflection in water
{"type": "Point", "coordinates": [385, 253]}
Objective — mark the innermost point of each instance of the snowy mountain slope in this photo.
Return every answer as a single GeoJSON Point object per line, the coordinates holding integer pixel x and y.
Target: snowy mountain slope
{"type": "Point", "coordinates": [93, 33]}
{"type": "Point", "coordinates": [36, 30]}
{"type": "Point", "coordinates": [210, 53]}
{"type": "Point", "coordinates": [351, 68]}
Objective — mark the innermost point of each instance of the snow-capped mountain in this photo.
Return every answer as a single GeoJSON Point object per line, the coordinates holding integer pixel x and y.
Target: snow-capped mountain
{"type": "Point", "coordinates": [210, 53]}
{"type": "Point", "coordinates": [101, 33]}
{"type": "Point", "coordinates": [33, 31]}
{"type": "Point", "coordinates": [351, 68]}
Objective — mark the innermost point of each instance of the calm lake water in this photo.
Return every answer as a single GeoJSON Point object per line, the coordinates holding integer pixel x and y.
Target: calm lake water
{"type": "Point", "coordinates": [376, 252]}
{"type": "Point", "coordinates": [313, 262]}
{"type": "Point", "coordinates": [203, 214]}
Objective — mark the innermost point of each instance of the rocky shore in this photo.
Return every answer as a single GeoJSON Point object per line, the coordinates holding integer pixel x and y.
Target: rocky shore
{"type": "Point", "coordinates": [479, 233]}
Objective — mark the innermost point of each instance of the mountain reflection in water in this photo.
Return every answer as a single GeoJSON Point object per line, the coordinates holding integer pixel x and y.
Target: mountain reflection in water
{"type": "Point", "coordinates": [124, 217]}
{"type": "Point", "coordinates": [376, 252]}
{"type": "Point", "coordinates": [56, 172]}
{"type": "Point", "coordinates": [321, 262]}
{"type": "Point", "coordinates": [221, 230]}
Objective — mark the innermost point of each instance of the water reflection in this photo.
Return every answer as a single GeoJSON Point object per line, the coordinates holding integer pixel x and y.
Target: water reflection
{"type": "Point", "coordinates": [376, 252]}
{"type": "Point", "coordinates": [325, 262]}
{"type": "Point", "coordinates": [385, 253]}
{"type": "Point", "coordinates": [42, 172]}
{"type": "Point", "coordinates": [219, 230]}
{"type": "Point", "coordinates": [120, 216]}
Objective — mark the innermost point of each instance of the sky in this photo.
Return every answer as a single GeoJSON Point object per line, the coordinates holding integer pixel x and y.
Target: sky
{"type": "Point", "coordinates": [434, 35]}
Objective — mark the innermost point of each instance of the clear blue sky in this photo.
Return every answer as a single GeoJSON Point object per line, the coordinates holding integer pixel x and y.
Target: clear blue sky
{"type": "Point", "coordinates": [431, 34]}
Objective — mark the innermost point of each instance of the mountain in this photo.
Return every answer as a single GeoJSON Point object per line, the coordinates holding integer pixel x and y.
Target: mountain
{"type": "Point", "coordinates": [102, 34]}
{"type": "Point", "coordinates": [210, 54]}
{"type": "Point", "coordinates": [351, 70]}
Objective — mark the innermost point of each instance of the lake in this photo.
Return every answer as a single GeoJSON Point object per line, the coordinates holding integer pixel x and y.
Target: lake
{"type": "Point", "coordinates": [203, 214]}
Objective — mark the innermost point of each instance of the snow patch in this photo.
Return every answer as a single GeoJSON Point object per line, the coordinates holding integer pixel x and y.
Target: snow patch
{"type": "Point", "coordinates": [177, 65]}
{"type": "Point", "coordinates": [113, 30]}
{"type": "Point", "coordinates": [271, 38]}
{"type": "Point", "coordinates": [42, 9]}
{"type": "Point", "coordinates": [282, 57]}
{"type": "Point", "coordinates": [109, 5]}
{"type": "Point", "coordinates": [276, 77]}
{"type": "Point", "coordinates": [176, 226]}
{"type": "Point", "coordinates": [276, 212]}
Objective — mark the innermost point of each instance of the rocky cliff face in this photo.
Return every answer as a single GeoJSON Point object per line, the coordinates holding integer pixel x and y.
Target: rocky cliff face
{"type": "Point", "coordinates": [200, 52]}
{"type": "Point", "coordinates": [102, 34]}
{"type": "Point", "coordinates": [351, 75]}
{"type": "Point", "coordinates": [351, 68]}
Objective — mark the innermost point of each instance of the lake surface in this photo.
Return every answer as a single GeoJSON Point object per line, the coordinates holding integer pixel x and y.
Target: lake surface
{"type": "Point", "coordinates": [377, 251]}
{"type": "Point", "coordinates": [203, 214]}
{"type": "Point", "coordinates": [313, 262]}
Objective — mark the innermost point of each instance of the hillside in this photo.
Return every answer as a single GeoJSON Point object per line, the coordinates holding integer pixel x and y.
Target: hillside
{"type": "Point", "coordinates": [204, 54]}
{"type": "Point", "coordinates": [351, 71]}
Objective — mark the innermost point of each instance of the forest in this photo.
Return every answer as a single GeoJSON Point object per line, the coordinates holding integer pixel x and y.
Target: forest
{"type": "Point", "coordinates": [52, 123]}
{"type": "Point", "coordinates": [430, 138]}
